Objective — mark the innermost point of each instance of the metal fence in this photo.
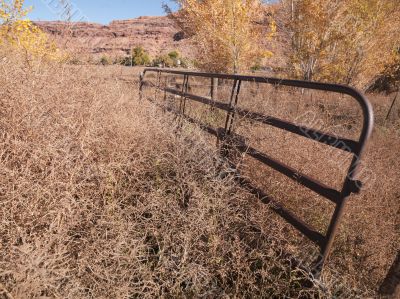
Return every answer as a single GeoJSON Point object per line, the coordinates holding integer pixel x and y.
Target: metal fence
{"type": "Point", "coordinates": [182, 93]}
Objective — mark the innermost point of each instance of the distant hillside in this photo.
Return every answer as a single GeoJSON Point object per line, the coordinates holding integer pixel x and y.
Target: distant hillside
{"type": "Point", "coordinates": [156, 34]}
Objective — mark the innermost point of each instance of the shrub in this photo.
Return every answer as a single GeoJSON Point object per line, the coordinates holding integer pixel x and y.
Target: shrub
{"type": "Point", "coordinates": [185, 63]}
{"type": "Point", "coordinates": [174, 55]}
{"type": "Point", "coordinates": [172, 59]}
{"type": "Point", "coordinates": [140, 56]}
{"type": "Point", "coordinates": [346, 42]}
{"type": "Point", "coordinates": [73, 60]}
{"type": "Point", "coordinates": [163, 61]}
{"type": "Point", "coordinates": [127, 61]}
{"type": "Point", "coordinates": [104, 60]}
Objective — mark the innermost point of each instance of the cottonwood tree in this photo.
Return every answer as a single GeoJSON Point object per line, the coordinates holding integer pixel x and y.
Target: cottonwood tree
{"type": "Point", "coordinates": [20, 34]}
{"type": "Point", "coordinates": [345, 41]}
{"type": "Point", "coordinates": [12, 11]}
{"type": "Point", "coordinates": [228, 33]}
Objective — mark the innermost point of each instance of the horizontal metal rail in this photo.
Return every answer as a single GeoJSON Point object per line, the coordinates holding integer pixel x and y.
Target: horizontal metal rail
{"type": "Point", "coordinates": [311, 233]}
{"type": "Point", "coordinates": [325, 138]}
{"type": "Point", "coordinates": [356, 148]}
{"type": "Point", "coordinates": [313, 184]}
{"type": "Point", "coordinates": [303, 179]}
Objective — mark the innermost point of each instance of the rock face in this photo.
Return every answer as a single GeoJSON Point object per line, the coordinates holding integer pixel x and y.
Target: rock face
{"type": "Point", "coordinates": [155, 34]}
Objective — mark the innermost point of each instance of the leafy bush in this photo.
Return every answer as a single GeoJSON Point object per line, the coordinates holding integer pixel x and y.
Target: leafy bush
{"type": "Point", "coordinates": [172, 59]}
{"type": "Point", "coordinates": [349, 42]}
{"type": "Point", "coordinates": [174, 55]}
{"type": "Point", "coordinates": [163, 61]}
{"type": "Point", "coordinates": [104, 60]}
{"type": "Point", "coordinates": [226, 43]}
{"type": "Point", "coordinates": [127, 61]}
{"type": "Point", "coordinates": [185, 63]}
{"type": "Point", "coordinates": [140, 56]}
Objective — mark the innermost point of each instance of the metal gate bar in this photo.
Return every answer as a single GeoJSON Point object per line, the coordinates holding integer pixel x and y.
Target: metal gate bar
{"type": "Point", "coordinates": [356, 148]}
{"type": "Point", "coordinates": [334, 141]}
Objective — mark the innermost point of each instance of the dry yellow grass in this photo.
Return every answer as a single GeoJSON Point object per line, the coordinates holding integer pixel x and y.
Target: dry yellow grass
{"type": "Point", "coordinates": [103, 197]}
{"type": "Point", "coordinates": [99, 198]}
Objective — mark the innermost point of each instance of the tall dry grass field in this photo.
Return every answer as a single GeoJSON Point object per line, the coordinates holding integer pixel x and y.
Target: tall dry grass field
{"type": "Point", "coordinates": [101, 198]}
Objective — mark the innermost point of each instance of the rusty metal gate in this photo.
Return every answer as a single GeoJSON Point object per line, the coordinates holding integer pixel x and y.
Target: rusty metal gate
{"type": "Point", "coordinates": [354, 147]}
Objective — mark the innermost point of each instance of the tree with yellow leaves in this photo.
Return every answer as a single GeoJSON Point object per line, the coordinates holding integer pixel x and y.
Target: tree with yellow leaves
{"type": "Point", "coordinates": [21, 34]}
{"type": "Point", "coordinates": [228, 33]}
{"type": "Point", "coordinates": [344, 41]}
{"type": "Point", "coordinates": [11, 11]}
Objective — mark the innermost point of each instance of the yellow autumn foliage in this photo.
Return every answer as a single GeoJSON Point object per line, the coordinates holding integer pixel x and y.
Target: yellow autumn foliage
{"type": "Point", "coordinates": [343, 41]}
{"type": "Point", "coordinates": [22, 35]}
{"type": "Point", "coordinates": [228, 33]}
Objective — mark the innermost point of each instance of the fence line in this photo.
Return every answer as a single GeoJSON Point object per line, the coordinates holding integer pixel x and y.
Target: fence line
{"type": "Point", "coordinates": [232, 141]}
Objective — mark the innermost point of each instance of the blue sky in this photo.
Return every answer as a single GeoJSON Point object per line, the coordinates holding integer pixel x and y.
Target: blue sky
{"type": "Point", "coordinates": [99, 11]}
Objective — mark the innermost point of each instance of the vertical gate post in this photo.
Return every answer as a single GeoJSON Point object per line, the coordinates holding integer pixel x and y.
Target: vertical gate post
{"type": "Point", "coordinates": [392, 105]}
{"type": "Point", "coordinates": [214, 87]}
{"type": "Point", "coordinates": [141, 80]}
{"type": "Point", "coordinates": [213, 90]}
{"type": "Point", "coordinates": [182, 101]}
{"type": "Point", "coordinates": [157, 88]}
{"type": "Point", "coordinates": [330, 236]}
{"type": "Point", "coordinates": [350, 186]}
{"type": "Point", "coordinates": [230, 141]}
{"type": "Point", "coordinates": [228, 114]}
{"type": "Point", "coordinates": [165, 93]}
{"type": "Point", "coordinates": [232, 105]}
{"type": "Point", "coordinates": [186, 89]}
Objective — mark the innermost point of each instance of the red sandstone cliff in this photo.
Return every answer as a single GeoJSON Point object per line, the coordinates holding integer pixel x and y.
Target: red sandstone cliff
{"type": "Point", "coordinates": [156, 34]}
